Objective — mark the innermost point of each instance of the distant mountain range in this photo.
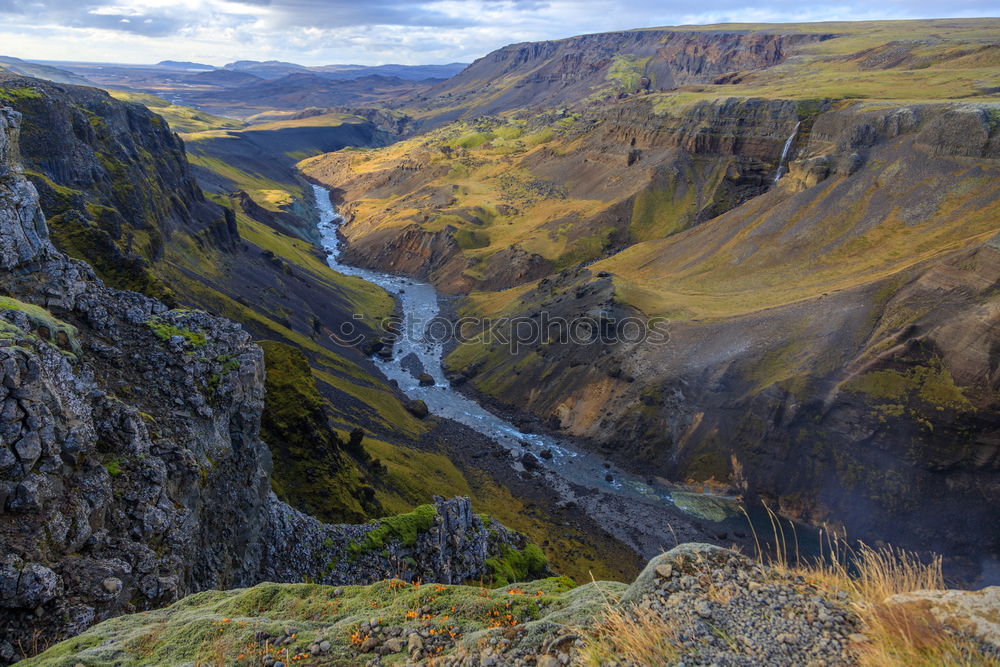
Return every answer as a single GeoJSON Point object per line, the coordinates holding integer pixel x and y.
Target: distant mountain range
{"type": "Point", "coordinates": [275, 69]}
{"type": "Point", "coordinates": [247, 87]}
{"type": "Point", "coordinates": [183, 64]}
{"type": "Point", "coordinates": [40, 71]}
{"type": "Point", "coordinates": [233, 74]}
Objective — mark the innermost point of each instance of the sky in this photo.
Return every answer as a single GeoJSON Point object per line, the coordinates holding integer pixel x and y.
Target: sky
{"type": "Point", "coordinates": [373, 32]}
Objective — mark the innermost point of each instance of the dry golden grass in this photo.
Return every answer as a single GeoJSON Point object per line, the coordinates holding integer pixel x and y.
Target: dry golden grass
{"type": "Point", "coordinates": [898, 634]}
{"type": "Point", "coordinates": [631, 636]}
{"type": "Point", "coordinates": [895, 634]}
{"type": "Point", "coordinates": [907, 635]}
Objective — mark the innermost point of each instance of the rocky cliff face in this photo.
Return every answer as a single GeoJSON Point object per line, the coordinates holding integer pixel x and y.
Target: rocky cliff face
{"type": "Point", "coordinates": [114, 180]}
{"type": "Point", "coordinates": [607, 177]}
{"type": "Point", "coordinates": [131, 469]}
{"type": "Point", "coordinates": [567, 71]}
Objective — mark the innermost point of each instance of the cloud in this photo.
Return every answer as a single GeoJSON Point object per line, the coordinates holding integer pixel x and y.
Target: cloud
{"type": "Point", "coordinates": [375, 31]}
{"type": "Point", "coordinates": [349, 13]}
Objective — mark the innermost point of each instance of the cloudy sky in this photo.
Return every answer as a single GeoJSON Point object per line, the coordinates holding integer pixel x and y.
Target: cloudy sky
{"type": "Point", "coordinates": [314, 32]}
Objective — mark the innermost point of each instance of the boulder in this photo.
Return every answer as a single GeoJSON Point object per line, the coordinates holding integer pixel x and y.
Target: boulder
{"type": "Point", "coordinates": [975, 612]}
{"type": "Point", "coordinates": [417, 408]}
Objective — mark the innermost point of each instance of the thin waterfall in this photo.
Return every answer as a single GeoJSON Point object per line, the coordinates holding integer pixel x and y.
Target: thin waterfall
{"type": "Point", "coordinates": [784, 152]}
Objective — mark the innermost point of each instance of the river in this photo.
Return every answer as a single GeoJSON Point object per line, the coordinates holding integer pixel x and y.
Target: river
{"type": "Point", "coordinates": [419, 306]}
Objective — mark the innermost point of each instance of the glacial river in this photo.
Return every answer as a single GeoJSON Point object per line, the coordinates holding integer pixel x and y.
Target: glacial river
{"type": "Point", "coordinates": [419, 307]}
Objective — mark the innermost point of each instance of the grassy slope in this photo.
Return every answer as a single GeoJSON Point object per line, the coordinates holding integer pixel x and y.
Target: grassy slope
{"type": "Point", "coordinates": [272, 189]}
{"type": "Point", "coordinates": [947, 59]}
{"type": "Point", "coordinates": [218, 627]}
{"type": "Point", "coordinates": [260, 159]}
{"type": "Point", "coordinates": [181, 118]}
{"type": "Point", "coordinates": [776, 250]}
{"type": "Point", "coordinates": [493, 198]}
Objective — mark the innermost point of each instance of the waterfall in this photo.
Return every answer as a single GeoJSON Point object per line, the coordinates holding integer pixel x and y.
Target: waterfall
{"type": "Point", "coordinates": [784, 152]}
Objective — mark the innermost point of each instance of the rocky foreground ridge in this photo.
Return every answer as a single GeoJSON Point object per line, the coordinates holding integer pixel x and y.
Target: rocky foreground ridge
{"type": "Point", "coordinates": [694, 605]}
{"type": "Point", "coordinates": [131, 468]}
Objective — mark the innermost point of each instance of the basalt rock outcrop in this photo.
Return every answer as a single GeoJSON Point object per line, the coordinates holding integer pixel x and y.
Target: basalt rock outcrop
{"type": "Point", "coordinates": [131, 468]}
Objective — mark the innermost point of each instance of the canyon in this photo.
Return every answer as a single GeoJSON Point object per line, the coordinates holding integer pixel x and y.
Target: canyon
{"type": "Point", "coordinates": [801, 218]}
{"type": "Point", "coordinates": [813, 315]}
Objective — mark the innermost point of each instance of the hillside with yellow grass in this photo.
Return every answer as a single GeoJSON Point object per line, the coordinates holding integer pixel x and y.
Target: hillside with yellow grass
{"type": "Point", "coordinates": [813, 221]}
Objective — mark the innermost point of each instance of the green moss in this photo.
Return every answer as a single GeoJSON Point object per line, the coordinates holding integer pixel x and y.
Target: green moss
{"type": "Point", "coordinates": [517, 565]}
{"type": "Point", "coordinates": [63, 652]}
{"type": "Point", "coordinates": [114, 467]}
{"type": "Point", "coordinates": [931, 384]}
{"type": "Point", "coordinates": [14, 95]}
{"type": "Point", "coordinates": [543, 136]}
{"type": "Point", "coordinates": [627, 71]}
{"type": "Point", "coordinates": [403, 527]}
{"type": "Point", "coordinates": [586, 248]}
{"type": "Point", "coordinates": [65, 194]}
{"type": "Point", "coordinates": [508, 132]}
{"type": "Point", "coordinates": [659, 212]}
{"type": "Point", "coordinates": [887, 384]}
{"type": "Point", "coordinates": [217, 627]}
{"type": "Point", "coordinates": [165, 331]}
{"type": "Point", "coordinates": [312, 471]}
{"type": "Point", "coordinates": [562, 583]}
{"type": "Point", "coordinates": [46, 325]}
{"type": "Point", "coordinates": [810, 108]}
{"type": "Point", "coordinates": [471, 140]}
{"type": "Point", "coordinates": [468, 239]}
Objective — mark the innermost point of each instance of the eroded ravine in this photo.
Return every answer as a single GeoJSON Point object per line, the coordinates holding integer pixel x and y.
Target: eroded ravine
{"type": "Point", "coordinates": [419, 348]}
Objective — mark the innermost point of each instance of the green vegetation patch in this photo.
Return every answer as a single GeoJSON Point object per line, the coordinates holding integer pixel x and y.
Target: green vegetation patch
{"type": "Point", "coordinates": [660, 212]}
{"type": "Point", "coordinates": [12, 95]}
{"type": "Point", "coordinates": [627, 71]}
{"type": "Point", "coordinates": [166, 330]}
{"type": "Point", "coordinates": [931, 383]}
{"type": "Point", "coordinates": [517, 565]}
{"type": "Point", "coordinates": [313, 468]}
{"type": "Point", "coordinates": [220, 627]}
{"type": "Point", "coordinates": [471, 140]}
{"type": "Point", "coordinates": [45, 324]}
{"type": "Point", "coordinates": [114, 467]}
{"type": "Point", "coordinates": [403, 527]}
{"type": "Point", "coordinates": [180, 118]}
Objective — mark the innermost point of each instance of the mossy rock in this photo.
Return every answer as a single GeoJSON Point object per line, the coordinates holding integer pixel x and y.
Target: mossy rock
{"type": "Point", "coordinates": [403, 527]}
{"type": "Point", "coordinates": [221, 627]}
{"type": "Point", "coordinates": [44, 325]}
{"type": "Point", "coordinates": [314, 469]}
{"type": "Point", "coordinates": [515, 565]}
